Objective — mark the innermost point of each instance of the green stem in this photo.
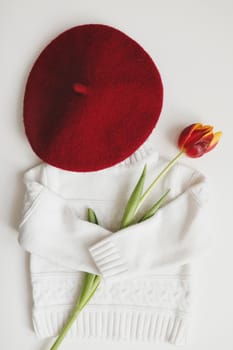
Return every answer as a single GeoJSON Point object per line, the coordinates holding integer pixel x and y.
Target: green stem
{"type": "Point", "coordinates": [151, 212]}
{"type": "Point", "coordinates": [89, 287]}
{"type": "Point", "coordinates": [161, 174]}
{"type": "Point", "coordinates": [67, 326]}
{"type": "Point", "coordinates": [92, 291]}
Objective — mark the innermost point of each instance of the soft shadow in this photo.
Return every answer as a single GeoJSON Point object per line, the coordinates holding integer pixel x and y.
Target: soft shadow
{"type": "Point", "coordinates": [15, 212]}
{"type": "Point", "coordinates": [47, 343]}
{"type": "Point", "coordinates": [17, 203]}
{"type": "Point", "coordinates": [174, 129]}
{"type": "Point", "coordinates": [29, 292]}
{"type": "Point", "coordinates": [14, 217]}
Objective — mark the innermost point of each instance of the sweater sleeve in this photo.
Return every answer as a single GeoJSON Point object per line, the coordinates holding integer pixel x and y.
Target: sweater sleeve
{"type": "Point", "coordinates": [176, 235]}
{"type": "Point", "coordinates": [51, 230]}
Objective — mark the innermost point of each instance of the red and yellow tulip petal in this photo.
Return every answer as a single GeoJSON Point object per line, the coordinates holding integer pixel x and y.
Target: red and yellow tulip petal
{"type": "Point", "coordinates": [214, 141]}
{"type": "Point", "coordinates": [200, 146]}
{"type": "Point", "coordinates": [197, 135]}
{"type": "Point", "coordinates": [186, 133]}
{"type": "Point", "coordinates": [195, 151]}
{"type": "Point", "coordinates": [206, 128]}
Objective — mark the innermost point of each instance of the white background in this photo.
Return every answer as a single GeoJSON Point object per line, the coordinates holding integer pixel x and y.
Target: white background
{"type": "Point", "coordinates": [192, 45]}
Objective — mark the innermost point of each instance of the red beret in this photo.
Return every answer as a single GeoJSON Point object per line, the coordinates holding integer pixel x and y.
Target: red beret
{"type": "Point", "coordinates": [92, 98]}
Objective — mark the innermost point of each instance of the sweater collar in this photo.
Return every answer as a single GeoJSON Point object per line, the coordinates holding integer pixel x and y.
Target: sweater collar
{"type": "Point", "coordinates": [140, 154]}
{"type": "Point", "coordinates": [144, 152]}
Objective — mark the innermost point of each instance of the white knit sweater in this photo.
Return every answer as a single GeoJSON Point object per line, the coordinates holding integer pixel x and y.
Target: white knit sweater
{"type": "Point", "coordinates": [145, 290]}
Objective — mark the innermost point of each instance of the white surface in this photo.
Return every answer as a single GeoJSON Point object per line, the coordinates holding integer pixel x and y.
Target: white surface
{"type": "Point", "coordinates": [191, 42]}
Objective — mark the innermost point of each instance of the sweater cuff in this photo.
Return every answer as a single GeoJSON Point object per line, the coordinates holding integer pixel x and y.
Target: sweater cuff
{"type": "Point", "coordinates": [107, 258]}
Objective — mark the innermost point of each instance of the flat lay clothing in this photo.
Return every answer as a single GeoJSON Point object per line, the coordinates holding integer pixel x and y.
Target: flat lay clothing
{"type": "Point", "coordinates": [145, 290]}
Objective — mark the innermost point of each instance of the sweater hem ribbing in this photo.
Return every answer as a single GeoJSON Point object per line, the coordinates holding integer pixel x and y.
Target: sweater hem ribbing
{"type": "Point", "coordinates": [115, 324]}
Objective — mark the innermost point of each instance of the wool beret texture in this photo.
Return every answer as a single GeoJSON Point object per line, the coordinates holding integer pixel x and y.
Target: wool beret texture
{"type": "Point", "coordinates": [92, 98]}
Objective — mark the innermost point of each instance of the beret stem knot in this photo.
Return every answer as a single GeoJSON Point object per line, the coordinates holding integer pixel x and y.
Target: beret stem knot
{"type": "Point", "coordinates": [80, 88]}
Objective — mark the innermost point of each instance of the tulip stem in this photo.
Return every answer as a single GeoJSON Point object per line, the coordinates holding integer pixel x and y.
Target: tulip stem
{"type": "Point", "coordinates": [89, 287]}
{"type": "Point", "coordinates": [161, 174]}
{"type": "Point", "coordinates": [67, 326]}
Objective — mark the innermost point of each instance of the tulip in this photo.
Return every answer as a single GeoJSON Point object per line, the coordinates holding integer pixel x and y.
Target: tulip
{"type": "Point", "coordinates": [197, 139]}
{"type": "Point", "coordinates": [194, 141]}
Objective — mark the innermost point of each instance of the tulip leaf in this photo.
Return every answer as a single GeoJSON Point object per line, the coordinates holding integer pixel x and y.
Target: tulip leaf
{"type": "Point", "coordinates": [155, 207]}
{"type": "Point", "coordinates": [92, 216]}
{"type": "Point", "coordinates": [133, 201]}
{"type": "Point", "coordinates": [160, 176]}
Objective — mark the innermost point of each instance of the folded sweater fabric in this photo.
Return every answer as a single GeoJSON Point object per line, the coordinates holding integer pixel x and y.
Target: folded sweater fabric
{"type": "Point", "coordinates": [146, 268]}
